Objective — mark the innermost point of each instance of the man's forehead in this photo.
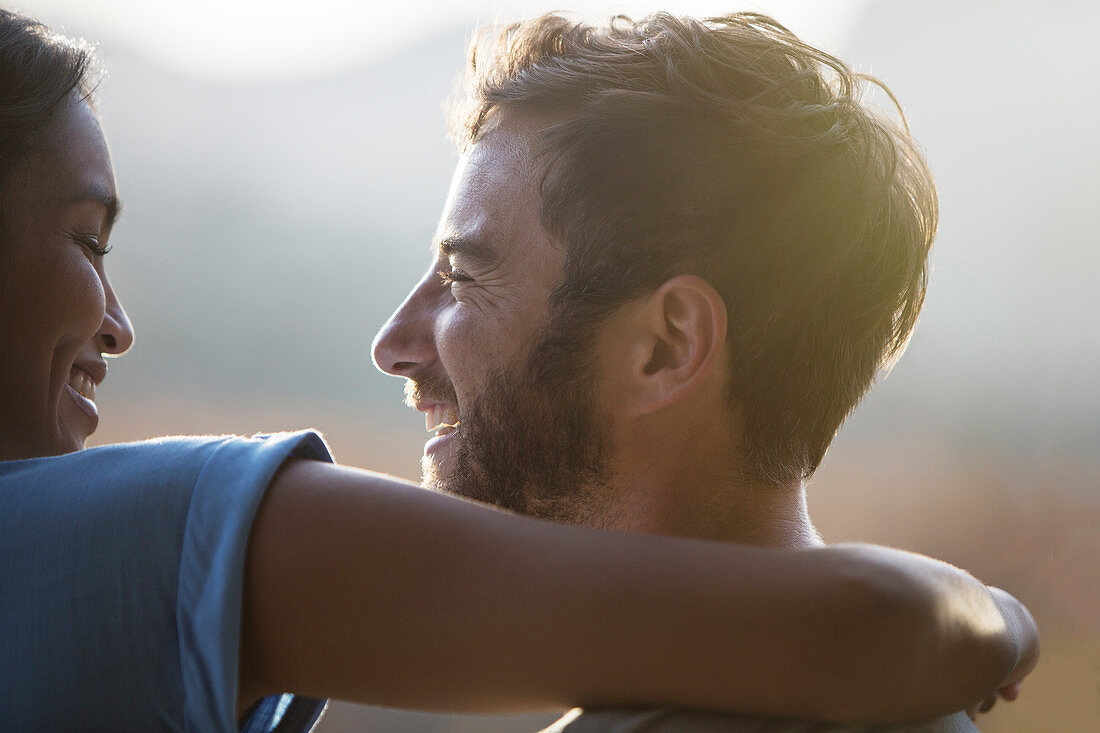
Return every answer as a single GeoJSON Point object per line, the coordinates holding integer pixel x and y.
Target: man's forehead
{"type": "Point", "coordinates": [492, 197]}
{"type": "Point", "coordinates": [503, 157]}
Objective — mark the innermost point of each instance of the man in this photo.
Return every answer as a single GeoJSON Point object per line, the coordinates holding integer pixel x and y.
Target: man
{"type": "Point", "coordinates": [674, 256]}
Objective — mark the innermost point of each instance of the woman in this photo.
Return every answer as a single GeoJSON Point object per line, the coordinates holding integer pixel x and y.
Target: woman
{"type": "Point", "coordinates": [186, 583]}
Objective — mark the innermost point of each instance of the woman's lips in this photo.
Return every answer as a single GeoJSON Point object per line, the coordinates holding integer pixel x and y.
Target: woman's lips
{"type": "Point", "coordinates": [81, 388]}
{"type": "Point", "coordinates": [82, 383]}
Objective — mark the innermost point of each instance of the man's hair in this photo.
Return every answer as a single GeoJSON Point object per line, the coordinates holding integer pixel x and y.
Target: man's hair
{"type": "Point", "coordinates": [729, 149]}
{"type": "Point", "coordinates": [39, 73]}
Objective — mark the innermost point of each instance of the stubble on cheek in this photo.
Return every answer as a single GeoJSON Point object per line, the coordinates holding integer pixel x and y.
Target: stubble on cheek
{"type": "Point", "coordinates": [533, 442]}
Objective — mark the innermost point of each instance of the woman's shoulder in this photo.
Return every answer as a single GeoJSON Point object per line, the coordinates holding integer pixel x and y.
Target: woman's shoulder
{"type": "Point", "coordinates": [135, 554]}
{"type": "Point", "coordinates": [169, 454]}
{"type": "Point", "coordinates": [149, 476]}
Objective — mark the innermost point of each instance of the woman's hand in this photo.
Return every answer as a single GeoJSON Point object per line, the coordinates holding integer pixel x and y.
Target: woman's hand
{"type": "Point", "coordinates": [1008, 692]}
{"type": "Point", "coordinates": [1022, 627]}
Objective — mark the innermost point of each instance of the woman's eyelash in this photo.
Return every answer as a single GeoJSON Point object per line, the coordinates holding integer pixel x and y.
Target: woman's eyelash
{"type": "Point", "coordinates": [91, 244]}
{"type": "Point", "coordinates": [449, 277]}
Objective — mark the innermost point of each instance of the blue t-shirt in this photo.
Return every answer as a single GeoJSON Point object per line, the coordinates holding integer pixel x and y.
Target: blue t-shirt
{"type": "Point", "coordinates": [121, 582]}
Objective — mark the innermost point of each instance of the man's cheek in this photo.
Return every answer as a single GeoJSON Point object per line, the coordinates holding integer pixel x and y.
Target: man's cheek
{"type": "Point", "coordinates": [468, 349]}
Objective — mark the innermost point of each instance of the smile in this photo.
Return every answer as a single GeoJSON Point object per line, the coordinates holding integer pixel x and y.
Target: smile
{"type": "Point", "coordinates": [82, 383]}
{"type": "Point", "coordinates": [441, 419]}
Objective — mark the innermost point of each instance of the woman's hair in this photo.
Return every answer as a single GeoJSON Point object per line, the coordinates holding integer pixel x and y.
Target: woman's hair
{"type": "Point", "coordinates": [40, 71]}
{"type": "Point", "coordinates": [730, 149]}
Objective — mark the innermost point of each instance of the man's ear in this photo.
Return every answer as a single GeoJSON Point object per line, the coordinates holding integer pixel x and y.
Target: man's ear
{"type": "Point", "coordinates": [679, 339]}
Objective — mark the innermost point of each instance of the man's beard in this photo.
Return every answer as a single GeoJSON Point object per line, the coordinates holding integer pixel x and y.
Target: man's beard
{"type": "Point", "coordinates": [534, 441]}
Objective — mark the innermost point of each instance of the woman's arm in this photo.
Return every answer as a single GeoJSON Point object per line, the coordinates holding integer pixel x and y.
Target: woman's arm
{"type": "Point", "coordinates": [365, 588]}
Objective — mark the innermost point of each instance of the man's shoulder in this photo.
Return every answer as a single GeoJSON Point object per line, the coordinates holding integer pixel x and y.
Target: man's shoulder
{"type": "Point", "coordinates": [672, 720]}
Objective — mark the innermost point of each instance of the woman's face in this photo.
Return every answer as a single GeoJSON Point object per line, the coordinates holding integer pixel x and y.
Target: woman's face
{"type": "Point", "coordinates": [61, 317]}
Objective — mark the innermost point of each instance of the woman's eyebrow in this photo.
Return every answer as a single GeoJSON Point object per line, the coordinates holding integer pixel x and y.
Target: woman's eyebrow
{"type": "Point", "coordinates": [104, 198]}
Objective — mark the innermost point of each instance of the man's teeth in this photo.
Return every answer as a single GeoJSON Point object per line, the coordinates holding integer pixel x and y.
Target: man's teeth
{"type": "Point", "coordinates": [82, 383]}
{"type": "Point", "coordinates": [439, 417]}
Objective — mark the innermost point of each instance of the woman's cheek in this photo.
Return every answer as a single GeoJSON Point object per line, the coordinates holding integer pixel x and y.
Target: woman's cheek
{"type": "Point", "coordinates": [86, 304]}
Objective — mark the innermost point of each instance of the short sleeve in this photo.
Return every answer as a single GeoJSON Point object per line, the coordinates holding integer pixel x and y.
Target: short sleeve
{"type": "Point", "coordinates": [122, 585]}
{"type": "Point", "coordinates": [224, 502]}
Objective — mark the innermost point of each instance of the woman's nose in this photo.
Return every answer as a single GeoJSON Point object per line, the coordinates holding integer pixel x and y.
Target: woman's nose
{"type": "Point", "coordinates": [116, 334]}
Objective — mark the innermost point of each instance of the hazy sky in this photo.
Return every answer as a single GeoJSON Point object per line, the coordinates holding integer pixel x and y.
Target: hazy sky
{"type": "Point", "coordinates": [254, 39]}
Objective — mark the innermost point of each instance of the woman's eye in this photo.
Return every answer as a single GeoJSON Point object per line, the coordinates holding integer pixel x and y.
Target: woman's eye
{"type": "Point", "coordinates": [91, 243]}
{"type": "Point", "coordinates": [452, 276]}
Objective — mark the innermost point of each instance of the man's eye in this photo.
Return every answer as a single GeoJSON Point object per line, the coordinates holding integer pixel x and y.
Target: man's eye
{"type": "Point", "coordinates": [91, 243]}
{"type": "Point", "coordinates": [452, 276]}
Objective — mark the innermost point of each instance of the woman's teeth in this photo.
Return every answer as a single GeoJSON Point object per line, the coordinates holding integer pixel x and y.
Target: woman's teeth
{"type": "Point", "coordinates": [439, 417]}
{"type": "Point", "coordinates": [82, 383]}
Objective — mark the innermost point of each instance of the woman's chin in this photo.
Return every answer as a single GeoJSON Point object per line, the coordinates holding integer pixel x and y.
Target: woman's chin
{"type": "Point", "coordinates": [79, 419]}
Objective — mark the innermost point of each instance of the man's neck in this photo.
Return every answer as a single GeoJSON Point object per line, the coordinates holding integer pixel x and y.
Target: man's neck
{"type": "Point", "coordinates": [764, 515]}
{"type": "Point", "coordinates": [690, 488]}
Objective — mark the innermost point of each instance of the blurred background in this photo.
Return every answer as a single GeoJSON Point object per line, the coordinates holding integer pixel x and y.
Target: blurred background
{"type": "Point", "coordinates": [284, 165]}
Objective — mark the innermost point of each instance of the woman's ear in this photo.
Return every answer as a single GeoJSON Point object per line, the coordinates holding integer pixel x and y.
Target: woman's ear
{"type": "Point", "coordinates": [678, 336]}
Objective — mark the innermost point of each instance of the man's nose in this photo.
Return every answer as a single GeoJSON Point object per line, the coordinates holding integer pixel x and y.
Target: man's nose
{"type": "Point", "coordinates": [406, 343]}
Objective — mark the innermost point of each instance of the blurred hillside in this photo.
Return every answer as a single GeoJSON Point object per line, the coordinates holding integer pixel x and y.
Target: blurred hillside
{"type": "Point", "coordinates": [271, 228]}
{"type": "Point", "coordinates": [1004, 101]}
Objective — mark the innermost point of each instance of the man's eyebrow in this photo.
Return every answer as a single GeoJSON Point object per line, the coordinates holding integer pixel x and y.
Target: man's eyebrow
{"type": "Point", "coordinates": [475, 250]}
{"type": "Point", "coordinates": [104, 198]}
